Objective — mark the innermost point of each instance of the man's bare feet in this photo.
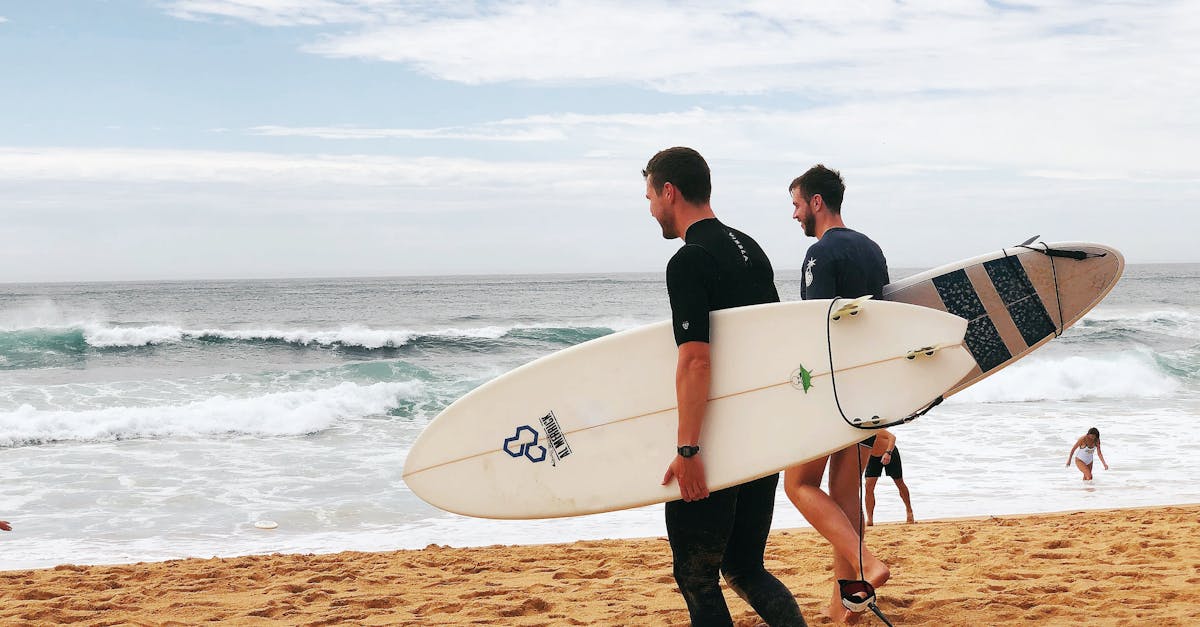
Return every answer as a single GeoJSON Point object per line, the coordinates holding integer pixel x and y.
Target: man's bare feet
{"type": "Point", "coordinates": [870, 523]}
{"type": "Point", "coordinates": [910, 518]}
{"type": "Point", "coordinates": [877, 573]}
{"type": "Point", "coordinates": [5, 526]}
{"type": "Point", "coordinates": [836, 611]}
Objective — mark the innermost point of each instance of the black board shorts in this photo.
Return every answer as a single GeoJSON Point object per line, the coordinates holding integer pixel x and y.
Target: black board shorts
{"type": "Point", "coordinates": [894, 469]}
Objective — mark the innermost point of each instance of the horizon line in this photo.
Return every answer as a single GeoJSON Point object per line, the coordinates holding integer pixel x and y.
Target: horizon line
{"type": "Point", "coordinates": [436, 276]}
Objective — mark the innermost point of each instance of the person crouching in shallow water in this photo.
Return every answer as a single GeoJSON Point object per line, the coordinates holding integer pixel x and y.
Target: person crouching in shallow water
{"type": "Point", "coordinates": [1085, 451]}
{"type": "Point", "coordinates": [724, 531]}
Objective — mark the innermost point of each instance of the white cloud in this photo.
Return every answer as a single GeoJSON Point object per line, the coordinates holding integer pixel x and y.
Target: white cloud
{"type": "Point", "coordinates": [821, 49]}
{"type": "Point", "coordinates": [549, 214]}
{"type": "Point", "coordinates": [1070, 85]}
{"type": "Point", "coordinates": [83, 165]}
{"type": "Point", "coordinates": [477, 133]}
{"type": "Point", "coordinates": [274, 12]}
{"type": "Point", "coordinates": [1017, 133]}
{"type": "Point", "coordinates": [314, 12]}
{"type": "Point", "coordinates": [3, 19]}
{"type": "Point", "coordinates": [129, 214]}
{"type": "Point", "coordinates": [963, 123]}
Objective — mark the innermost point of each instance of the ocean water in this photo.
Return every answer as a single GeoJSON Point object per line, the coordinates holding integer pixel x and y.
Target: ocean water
{"type": "Point", "coordinates": [148, 421]}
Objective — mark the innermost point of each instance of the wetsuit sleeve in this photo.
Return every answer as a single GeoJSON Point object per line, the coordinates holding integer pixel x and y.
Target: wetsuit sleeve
{"type": "Point", "coordinates": [823, 270]}
{"type": "Point", "coordinates": [773, 291]}
{"type": "Point", "coordinates": [687, 288]}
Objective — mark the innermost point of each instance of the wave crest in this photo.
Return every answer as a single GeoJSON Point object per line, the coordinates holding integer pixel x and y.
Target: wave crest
{"type": "Point", "coordinates": [289, 413]}
{"type": "Point", "coordinates": [98, 336]}
{"type": "Point", "coordinates": [1074, 379]}
{"type": "Point", "coordinates": [76, 339]}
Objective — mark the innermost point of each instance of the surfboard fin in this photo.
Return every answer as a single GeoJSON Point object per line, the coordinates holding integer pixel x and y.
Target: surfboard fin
{"type": "Point", "coordinates": [851, 308]}
{"type": "Point", "coordinates": [868, 423]}
{"type": "Point", "coordinates": [924, 351]}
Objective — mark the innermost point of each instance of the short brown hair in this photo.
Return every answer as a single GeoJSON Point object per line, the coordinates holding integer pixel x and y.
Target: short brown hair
{"type": "Point", "coordinates": [821, 180]}
{"type": "Point", "coordinates": [685, 169]}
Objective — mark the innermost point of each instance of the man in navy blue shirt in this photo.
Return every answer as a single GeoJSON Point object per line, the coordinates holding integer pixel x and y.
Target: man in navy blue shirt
{"type": "Point", "coordinates": [723, 531]}
{"type": "Point", "coordinates": [847, 264]}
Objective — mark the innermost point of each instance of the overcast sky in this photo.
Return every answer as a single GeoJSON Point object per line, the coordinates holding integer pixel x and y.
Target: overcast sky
{"type": "Point", "coordinates": [148, 139]}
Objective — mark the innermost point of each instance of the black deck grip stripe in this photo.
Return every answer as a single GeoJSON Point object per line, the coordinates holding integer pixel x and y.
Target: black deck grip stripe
{"type": "Point", "coordinates": [983, 340]}
{"type": "Point", "coordinates": [1026, 308]}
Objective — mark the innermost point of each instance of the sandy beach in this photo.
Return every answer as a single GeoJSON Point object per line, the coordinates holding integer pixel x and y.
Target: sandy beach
{"type": "Point", "coordinates": [1112, 567]}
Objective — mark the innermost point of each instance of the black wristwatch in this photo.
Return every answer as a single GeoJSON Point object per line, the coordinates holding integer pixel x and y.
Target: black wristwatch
{"type": "Point", "coordinates": [688, 451]}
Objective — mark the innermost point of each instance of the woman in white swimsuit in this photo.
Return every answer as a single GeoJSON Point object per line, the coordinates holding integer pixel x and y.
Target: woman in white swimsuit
{"type": "Point", "coordinates": [1085, 451]}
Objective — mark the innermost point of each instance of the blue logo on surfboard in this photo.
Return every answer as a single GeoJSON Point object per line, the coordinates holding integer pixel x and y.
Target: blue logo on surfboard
{"type": "Point", "coordinates": [525, 443]}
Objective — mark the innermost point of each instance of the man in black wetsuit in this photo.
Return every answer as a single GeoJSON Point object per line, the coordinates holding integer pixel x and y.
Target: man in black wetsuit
{"type": "Point", "coordinates": [724, 531]}
{"type": "Point", "coordinates": [842, 263]}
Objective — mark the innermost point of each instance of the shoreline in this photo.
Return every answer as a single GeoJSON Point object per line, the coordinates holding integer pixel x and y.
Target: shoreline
{"type": "Point", "coordinates": [1140, 565]}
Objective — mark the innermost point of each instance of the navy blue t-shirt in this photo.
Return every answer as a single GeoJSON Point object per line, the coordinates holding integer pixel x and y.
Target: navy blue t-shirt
{"type": "Point", "coordinates": [843, 263]}
{"type": "Point", "coordinates": [717, 268]}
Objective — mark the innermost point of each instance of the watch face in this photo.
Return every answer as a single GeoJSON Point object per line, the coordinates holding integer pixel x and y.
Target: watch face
{"type": "Point", "coordinates": [688, 451]}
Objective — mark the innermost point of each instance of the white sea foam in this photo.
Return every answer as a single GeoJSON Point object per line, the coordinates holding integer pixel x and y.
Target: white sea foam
{"type": "Point", "coordinates": [1115, 314]}
{"type": "Point", "coordinates": [276, 414]}
{"type": "Point", "coordinates": [1177, 322]}
{"type": "Point", "coordinates": [1076, 378]}
{"type": "Point", "coordinates": [346, 336]}
{"type": "Point", "coordinates": [48, 318]}
{"type": "Point", "coordinates": [102, 336]}
{"type": "Point", "coordinates": [483, 333]}
{"type": "Point", "coordinates": [351, 335]}
{"type": "Point", "coordinates": [42, 314]}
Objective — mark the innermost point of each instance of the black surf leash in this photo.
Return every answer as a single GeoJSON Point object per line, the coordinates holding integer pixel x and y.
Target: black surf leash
{"type": "Point", "coordinates": [874, 422]}
{"type": "Point", "coordinates": [858, 595]}
{"type": "Point", "coordinates": [1057, 252]}
{"type": "Point", "coordinates": [1052, 253]}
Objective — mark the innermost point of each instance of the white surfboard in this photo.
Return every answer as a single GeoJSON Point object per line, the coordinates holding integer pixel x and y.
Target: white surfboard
{"type": "Point", "coordinates": [591, 428]}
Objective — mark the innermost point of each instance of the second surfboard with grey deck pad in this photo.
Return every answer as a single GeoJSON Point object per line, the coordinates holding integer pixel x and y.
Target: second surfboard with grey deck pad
{"type": "Point", "coordinates": [1015, 299]}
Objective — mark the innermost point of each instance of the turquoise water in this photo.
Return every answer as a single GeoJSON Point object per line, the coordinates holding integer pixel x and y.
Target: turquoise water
{"type": "Point", "coordinates": [144, 421]}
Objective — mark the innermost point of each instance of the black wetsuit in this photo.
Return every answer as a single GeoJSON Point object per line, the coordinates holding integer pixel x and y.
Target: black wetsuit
{"type": "Point", "coordinates": [717, 268]}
